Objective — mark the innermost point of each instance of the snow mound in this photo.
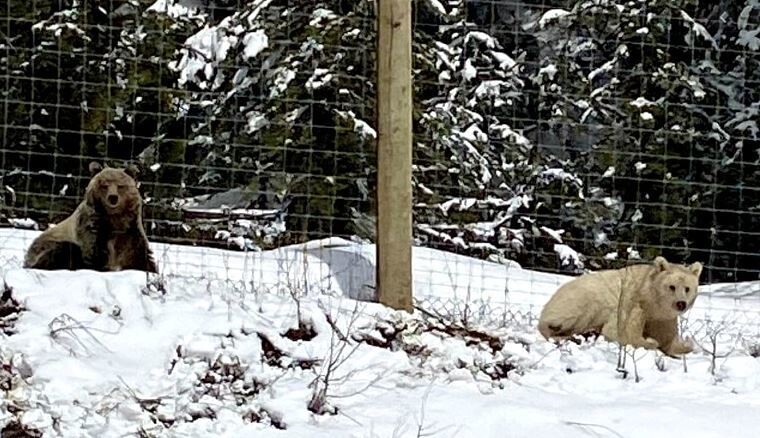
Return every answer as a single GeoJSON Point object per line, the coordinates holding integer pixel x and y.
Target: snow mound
{"type": "Point", "coordinates": [288, 343]}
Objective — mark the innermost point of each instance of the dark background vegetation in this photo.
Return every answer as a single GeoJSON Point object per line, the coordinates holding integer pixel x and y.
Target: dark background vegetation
{"type": "Point", "coordinates": [622, 130]}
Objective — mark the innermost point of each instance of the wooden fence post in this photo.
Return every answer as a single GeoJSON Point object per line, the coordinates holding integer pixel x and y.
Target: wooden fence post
{"type": "Point", "coordinates": [394, 153]}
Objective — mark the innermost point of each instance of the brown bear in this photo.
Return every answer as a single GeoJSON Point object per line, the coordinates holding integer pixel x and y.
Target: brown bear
{"type": "Point", "coordinates": [638, 305]}
{"type": "Point", "coordinates": [105, 232]}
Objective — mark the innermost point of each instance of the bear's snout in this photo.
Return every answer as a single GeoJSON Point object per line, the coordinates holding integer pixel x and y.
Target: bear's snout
{"type": "Point", "coordinates": [113, 200]}
{"type": "Point", "coordinates": [681, 305]}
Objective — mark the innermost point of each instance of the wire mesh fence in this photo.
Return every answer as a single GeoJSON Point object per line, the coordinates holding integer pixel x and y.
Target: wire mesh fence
{"type": "Point", "coordinates": [228, 103]}
{"type": "Point", "coordinates": [560, 135]}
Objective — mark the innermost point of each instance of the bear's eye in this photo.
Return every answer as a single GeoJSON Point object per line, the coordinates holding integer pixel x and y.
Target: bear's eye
{"type": "Point", "coordinates": [672, 288]}
{"type": "Point", "coordinates": [122, 186]}
{"type": "Point", "coordinates": [686, 290]}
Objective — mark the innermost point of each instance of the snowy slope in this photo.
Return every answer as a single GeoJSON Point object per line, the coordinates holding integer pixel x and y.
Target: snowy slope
{"type": "Point", "coordinates": [205, 352]}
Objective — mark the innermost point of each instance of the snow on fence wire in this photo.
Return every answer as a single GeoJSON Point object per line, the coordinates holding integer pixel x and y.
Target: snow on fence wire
{"type": "Point", "coordinates": [560, 136]}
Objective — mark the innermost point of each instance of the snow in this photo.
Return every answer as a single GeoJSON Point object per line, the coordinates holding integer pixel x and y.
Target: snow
{"type": "Point", "coordinates": [698, 29]}
{"type": "Point", "coordinates": [281, 82]}
{"type": "Point", "coordinates": [469, 72]}
{"type": "Point", "coordinates": [319, 78]}
{"type": "Point", "coordinates": [360, 126]}
{"type": "Point", "coordinates": [255, 43]}
{"type": "Point", "coordinates": [552, 15]}
{"type": "Point", "coordinates": [364, 129]}
{"type": "Point", "coordinates": [320, 14]}
{"type": "Point", "coordinates": [554, 234]}
{"type": "Point", "coordinates": [23, 223]}
{"type": "Point", "coordinates": [505, 132]}
{"type": "Point", "coordinates": [463, 204]}
{"type": "Point", "coordinates": [438, 6]}
{"type": "Point", "coordinates": [749, 39]}
{"type": "Point", "coordinates": [548, 70]}
{"type": "Point", "coordinates": [749, 31]}
{"type": "Point", "coordinates": [489, 88]}
{"type": "Point", "coordinates": [474, 133]}
{"type": "Point", "coordinates": [505, 61]}
{"type": "Point", "coordinates": [256, 121]}
{"type": "Point", "coordinates": [481, 37]}
{"type": "Point", "coordinates": [569, 258]}
{"type": "Point", "coordinates": [605, 68]}
{"type": "Point", "coordinates": [236, 212]}
{"type": "Point", "coordinates": [697, 89]}
{"type": "Point", "coordinates": [171, 8]}
{"type": "Point", "coordinates": [641, 102]}
{"type": "Point", "coordinates": [207, 49]}
{"type": "Point", "coordinates": [190, 353]}
{"type": "Point", "coordinates": [554, 174]}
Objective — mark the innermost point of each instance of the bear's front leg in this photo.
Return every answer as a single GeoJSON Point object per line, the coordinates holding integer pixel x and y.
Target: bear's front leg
{"type": "Point", "coordinates": [143, 256]}
{"type": "Point", "coordinates": [610, 329]}
{"type": "Point", "coordinates": [88, 245]}
{"type": "Point", "coordinates": [666, 333]}
{"type": "Point", "coordinates": [632, 330]}
{"type": "Point", "coordinates": [680, 347]}
{"type": "Point", "coordinates": [94, 246]}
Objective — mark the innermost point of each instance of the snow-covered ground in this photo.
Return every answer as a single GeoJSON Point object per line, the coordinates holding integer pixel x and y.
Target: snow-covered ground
{"type": "Point", "coordinates": [205, 351]}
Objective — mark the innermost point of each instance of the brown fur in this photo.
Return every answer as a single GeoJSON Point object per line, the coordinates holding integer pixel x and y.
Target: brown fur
{"type": "Point", "coordinates": [105, 232]}
{"type": "Point", "coordinates": [637, 305]}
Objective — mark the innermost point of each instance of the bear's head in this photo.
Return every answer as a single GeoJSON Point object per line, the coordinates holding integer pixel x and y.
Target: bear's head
{"type": "Point", "coordinates": [675, 285]}
{"type": "Point", "coordinates": [113, 191]}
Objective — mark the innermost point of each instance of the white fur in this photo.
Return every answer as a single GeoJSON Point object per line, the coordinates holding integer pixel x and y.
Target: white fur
{"type": "Point", "coordinates": [637, 305]}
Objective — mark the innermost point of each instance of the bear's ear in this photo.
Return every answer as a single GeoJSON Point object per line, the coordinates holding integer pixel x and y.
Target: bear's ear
{"type": "Point", "coordinates": [695, 268]}
{"type": "Point", "coordinates": [661, 264]}
{"type": "Point", "coordinates": [132, 170]}
{"type": "Point", "coordinates": [95, 167]}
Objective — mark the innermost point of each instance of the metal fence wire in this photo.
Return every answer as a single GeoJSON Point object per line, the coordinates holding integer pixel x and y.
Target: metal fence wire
{"type": "Point", "coordinates": [562, 135]}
